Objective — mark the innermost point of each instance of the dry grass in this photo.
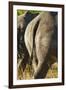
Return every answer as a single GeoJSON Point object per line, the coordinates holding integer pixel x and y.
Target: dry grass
{"type": "Point", "coordinates": [53, 71]}
{"type": "Point", "coordinates": [27, 74]}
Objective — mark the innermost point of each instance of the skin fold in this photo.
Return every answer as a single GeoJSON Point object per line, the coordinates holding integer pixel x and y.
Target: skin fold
{"type": "Point", "coordinates": [39, 42]}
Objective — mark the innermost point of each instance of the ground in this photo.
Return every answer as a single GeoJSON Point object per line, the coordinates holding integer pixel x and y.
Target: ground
{"type": "Point", "coordinates": [27, 74]}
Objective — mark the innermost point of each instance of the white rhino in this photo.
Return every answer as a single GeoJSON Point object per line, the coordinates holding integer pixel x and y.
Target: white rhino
{"type": "Point", "coordinates": [38, 40]}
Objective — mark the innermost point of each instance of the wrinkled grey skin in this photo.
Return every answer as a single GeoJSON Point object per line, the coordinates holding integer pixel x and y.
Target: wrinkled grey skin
{"type": "Point", "coordinates": [38, 40]}
{"type": "Point", "coordinates": [22, 22]}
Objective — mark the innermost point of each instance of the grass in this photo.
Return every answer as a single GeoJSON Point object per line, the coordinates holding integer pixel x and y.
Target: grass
{"type": "Point", "coordinates": [53, 71]}
{"type": "Point", "coordinates": [27, 74]}
{"type": "Point", "coordinates": [20, 12]}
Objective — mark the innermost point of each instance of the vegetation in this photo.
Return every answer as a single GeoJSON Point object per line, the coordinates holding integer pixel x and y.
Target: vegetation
{"type": "Point", "coordinates": [20, 12]}
{"type": "Point", "coordinates": [27, 74]}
